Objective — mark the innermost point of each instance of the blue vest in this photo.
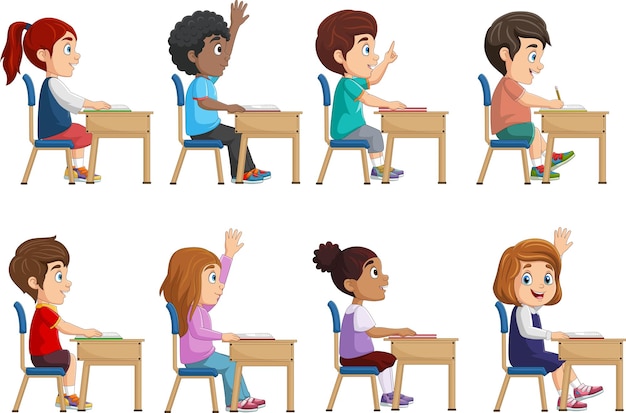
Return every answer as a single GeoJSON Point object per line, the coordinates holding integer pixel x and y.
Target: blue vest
{"type": "Point", "coordinates": [52, 118]}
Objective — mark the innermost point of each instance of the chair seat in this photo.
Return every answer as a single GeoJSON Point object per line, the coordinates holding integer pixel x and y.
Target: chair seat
{"type": "Point", "coordinates": [192, 372]}
{"type": "Point", "coordinates": [501, 143]}
{"type": "Point", "coordinates": [350, 143]}
{"type": "Point", "coordinates": [203, 144]}
{"type": "Point", "coordinates": [358, 370]}
{"type": "Point", "coordinates": [43, 143]}
{"type": "Point", "coordinates": [45, 371]}
{"type": "Point", "coordinates": [521, 371]}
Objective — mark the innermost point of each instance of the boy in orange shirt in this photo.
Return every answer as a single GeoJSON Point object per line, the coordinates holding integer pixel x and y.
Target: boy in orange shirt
{"type": "Point", "coordinates": [514, 45]}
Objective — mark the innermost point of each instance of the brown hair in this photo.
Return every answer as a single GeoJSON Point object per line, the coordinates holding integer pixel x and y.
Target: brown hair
{"type": "Point", "coordinates": [342, 265]}
{"type": "Point", "coordinates": [182, 285]}
{"type": "Point", "coordinates": [337, 32]}
{"type": "Point", "coordinates": [510, 265]}
{"type": "Point", "coordinates": [31, 260]}
{"type": "Point", "coordinates": [506, 31]}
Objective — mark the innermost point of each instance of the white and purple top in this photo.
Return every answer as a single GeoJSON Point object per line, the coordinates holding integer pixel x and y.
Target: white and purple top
{"type": "Point", "coordinates": [353, 338]}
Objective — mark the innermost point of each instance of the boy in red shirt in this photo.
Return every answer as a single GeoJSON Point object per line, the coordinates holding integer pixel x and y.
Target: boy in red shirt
{"type": "Point", "coordinates": [39, 269]}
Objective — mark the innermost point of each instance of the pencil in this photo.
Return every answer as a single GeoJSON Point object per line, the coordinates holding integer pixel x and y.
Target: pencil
{"type": "Point", "coordinates": [558, 95]}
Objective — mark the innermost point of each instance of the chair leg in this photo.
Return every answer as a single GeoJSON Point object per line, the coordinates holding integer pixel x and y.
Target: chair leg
{"type": "Point", "coordinates": [181, 158]}
{"type": "Point", "coordinates": [218, 163]}
{"type": "Point", "coordinates": [320, 180]}
{"type": "Point", "coordinates": [68, 160]}
{"type": "Point", "coordinates": [20, 394]}
{"type": "Point", "coordinates": [29, 166]}
{"type": "Point", "coordinates": [61, 395]}
{"type": "Point", "coordinates": [483, 171]}
{"type": "Point", "coordinates": [526, 173]}
{"type": "Point", "coordinates": [170, 402]}
{"type": "Point", "coordinates": [333, 396]}
{"type": "Point", "coordinates": [366, 175]}
{"type": "Point", "coordinates": [213, 395]}
{"type": "Point", "coordinates": [542, 392]}
{"type": "Point", "coordinates": [502, 391]}
{"type": "Point", "coordinates": [375, 394]}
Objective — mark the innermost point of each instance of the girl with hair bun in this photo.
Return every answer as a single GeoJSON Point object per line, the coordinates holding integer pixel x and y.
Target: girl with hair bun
{"type": "Point", "coordinates": [357, 271]}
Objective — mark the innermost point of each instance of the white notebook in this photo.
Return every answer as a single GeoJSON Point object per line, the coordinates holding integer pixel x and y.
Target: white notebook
{"type": "Point", "coordinates": [261, 108]}
{"type": "Point", "coordinates": [255, 336]}
{"type": "Point", "coordinates": [584, 334]}
{"type": "Point", "coordinates": [569, 107]}
{"type": "Point", "coordinates": [106, 335]}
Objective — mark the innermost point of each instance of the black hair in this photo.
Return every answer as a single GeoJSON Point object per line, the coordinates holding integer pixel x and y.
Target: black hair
{"type": "Point", "coordinates": [342, 265]}
{"type": "Point", "coordinates": [189, 34]}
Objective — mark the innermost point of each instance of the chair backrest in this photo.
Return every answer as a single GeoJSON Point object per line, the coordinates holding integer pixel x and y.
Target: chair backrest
{"type": "Point", "coordinates": [180, 102]}
{"type": "Point", "coordinates": [336, 329]}
{"type": "Point", "coordinates": [174, 321]}
{"type": "Point", "coordinates": [30, 91]}
{"type": "Point", "coordinates": [326, 101]}
{"type": "Point", "coordinates": [21, 318]}
{"type": "Point", "coordinates": [487, 103]}
{"type": "Point", "coordinates": [504, 329]}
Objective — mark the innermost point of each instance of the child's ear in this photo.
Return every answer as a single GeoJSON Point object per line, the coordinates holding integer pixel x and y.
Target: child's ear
{"type": "Point", "coordinates": [504, 54]}
{"type": "Point", "coordinates": [338, 56]}
{"type": "Point", "coordinates": [191, 55]}
{"type": "Point", "coordinates": [43, 55]}
{"type": "Point", "coordinates": [32, 281]}
{"type": "Point", "coordinates": [349, 285]}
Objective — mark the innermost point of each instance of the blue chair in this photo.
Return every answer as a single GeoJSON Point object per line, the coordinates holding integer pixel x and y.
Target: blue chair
{"type": "Point", "coordinates": [338, 144]}
{"type": "Point", "coordinates": [509, 372]}
{"type": "Point", "coordinates": [183, 372]}
{"type": "Point", "coordinates": [42, 144]}
{"type": "Point", "coordinates": [496, 144]}
{"type": "Point", "coordinates": [29, 372]}
{"type": "Point", "coordinates": [212, 145]}
{"type": "Point", "coordinates": [348, 371]}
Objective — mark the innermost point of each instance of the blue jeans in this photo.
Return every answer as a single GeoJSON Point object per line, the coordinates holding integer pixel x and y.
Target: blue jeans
{"type": "Point", "coordinates": [226, 368]}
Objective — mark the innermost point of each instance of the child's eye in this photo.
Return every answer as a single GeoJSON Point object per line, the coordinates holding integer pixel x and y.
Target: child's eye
{"type": "Point", "coordinates": [374, 272]}
{"type": "Point", "coordinates": [527, 279]}
{"type": "Point", "coordinates": [218, 49]}
{"type": "Point", "coordinates": [58, 277]}
{"type": "Point", "coordinates": [366, 50]}
{"type": "Point", "coordinates": [67, 49]}
{"type": "Point", "coordinates": [212, 278]}
{"type": "Point", "coordinates": [548, 279]}
{"type": "Point", "coordinates": [532, 57]}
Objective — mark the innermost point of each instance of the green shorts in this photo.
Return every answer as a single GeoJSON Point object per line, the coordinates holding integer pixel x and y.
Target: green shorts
{"type": "Point", "coordinates": [520, 132]}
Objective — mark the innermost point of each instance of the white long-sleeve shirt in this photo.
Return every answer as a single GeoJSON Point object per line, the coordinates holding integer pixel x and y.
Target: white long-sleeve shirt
{"type": "Point", "coordinates": [524, 318]}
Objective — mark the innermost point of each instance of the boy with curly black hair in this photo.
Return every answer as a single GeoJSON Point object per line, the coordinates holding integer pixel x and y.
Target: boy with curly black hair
{"type": "Point", "coordinates": [201, 45]}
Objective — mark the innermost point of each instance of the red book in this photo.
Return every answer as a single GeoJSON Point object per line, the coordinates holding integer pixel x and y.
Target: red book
{"type": "Point", "coordinates": [408, 109]}
{"type": "Point", "coordinates": [417, 336]}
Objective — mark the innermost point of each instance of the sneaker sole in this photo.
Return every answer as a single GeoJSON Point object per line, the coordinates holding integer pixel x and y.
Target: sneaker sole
{"type": "Point", "coordinates": [589, 396]}
{"type": "Point", "coordinates": [540, 178]}
{"type": "Point", "coordinates": [247, 182]}
{"type": "Point", "coordinates": [73, 407]}
{"type": "Point", "coordinates": [380, 178]}
{"type": "Point", "coordinates": [558, 165]}
{"type": "Point", "coordinates": [402, 406]}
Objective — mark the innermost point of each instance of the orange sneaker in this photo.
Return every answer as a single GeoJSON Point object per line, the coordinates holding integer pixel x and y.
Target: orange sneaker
{"type": "Point", "coordinates": [71, 402]}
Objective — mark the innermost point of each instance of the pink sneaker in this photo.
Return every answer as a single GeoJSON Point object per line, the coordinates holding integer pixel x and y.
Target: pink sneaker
{"type": "Point", "coordinates": [259, 402]}
{"type": "Point", "coordinates": [583, 391]}
{"type": "Point", "coordinates": [245, 405]}
{"type": "Point", "coordinates": [572, 404]}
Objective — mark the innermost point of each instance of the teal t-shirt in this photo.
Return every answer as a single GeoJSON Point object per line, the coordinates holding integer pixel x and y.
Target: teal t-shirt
{"type": "Point", "coordinates": [347, 113]}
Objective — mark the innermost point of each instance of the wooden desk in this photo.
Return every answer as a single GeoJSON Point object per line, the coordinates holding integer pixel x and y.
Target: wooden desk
{"type": "Point", "coordinates": [105, 352]}
{"type": "Point", "coordinates": [269, 125]}
{"type": "Point", "coordinates": [262, 353]}
{"type": "Point", "coordinates": [607, 351]}
{"type": "Point", "coordinates": [405, 124]}
{"type": "Point", "coordinates": [562, 124]}
{"type": "Point", "coordinates": [105, 124]}
{"type": "Point", "coordinates": [424, 351]}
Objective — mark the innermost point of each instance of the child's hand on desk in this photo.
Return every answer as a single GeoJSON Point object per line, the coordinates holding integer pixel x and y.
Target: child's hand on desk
{"type": "Point", "coordinates": [231, 244]}
{"type": "Point", "coordinates": [405, 332]}
{"type": "Point", "coordinates": [559, 335]}
{"type": "Point", "coordinates": [99, 105]}
{"type": "Point", "coordinates": [228, 337]}
{"type": "Point", "coordinates": [235, 108]}
{"type": "Point", "coordinates": [91, 332]}
{"type": "Point", "coordinates": [555, 104]}
{"type": "Point", "coordinates": [395, 105]}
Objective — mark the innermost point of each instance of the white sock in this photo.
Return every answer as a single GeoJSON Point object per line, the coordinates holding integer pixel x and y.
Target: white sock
{"type": "Point", "coordinates": [575, 383]}
{"type": "Point", "coordinates": [537, 162]}
{"type": "Point", "coordinates": [78, 162]}
{"type": "Point", "coordinates": [69, 390]}
{"type": "Point", "coordinates": [377, 161]}
{"type": "Point", "coordinates": [385, 378]}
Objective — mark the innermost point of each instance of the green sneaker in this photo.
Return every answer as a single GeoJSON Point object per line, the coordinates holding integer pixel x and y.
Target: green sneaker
{"type": "Point", "coordinates": [537, 173]}
{"type": "Point", "coordinates": [560, 159]}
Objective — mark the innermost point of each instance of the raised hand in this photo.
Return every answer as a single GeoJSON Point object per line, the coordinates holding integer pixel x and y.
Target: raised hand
{"type": "Point", "coordinates": [237, 13]}
{"type": "Point", "coordinates": [561, 237]}
{"type": "Point", "coordinates": [391, 56]}
{"type": "Point", "coordinates": [231, 244]}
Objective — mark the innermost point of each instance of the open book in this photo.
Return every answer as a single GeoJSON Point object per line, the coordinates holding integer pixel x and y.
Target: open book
{"type": "Point", "coordinates": [430, 335]}
{"type": "Point", "coordinates": [407, 109]}
{"type": "Point", "coordinates": [261, 108]}
{"type": "Point", "coordinates": [568, 108]}
{"type": "Point", "coordinates": [584, 334]}
{"type": "Point", "coordinates": [114, 108]}
{"type": "Point", "coordinates": [255, 336]}
{"type": "Point", "coordinates": [106, 335]}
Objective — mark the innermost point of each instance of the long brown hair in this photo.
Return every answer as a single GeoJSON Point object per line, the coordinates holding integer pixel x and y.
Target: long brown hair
{"type": "Point", "coordinates": [182, 285]}
{"type": "Point", "coordinates": [533, 249]}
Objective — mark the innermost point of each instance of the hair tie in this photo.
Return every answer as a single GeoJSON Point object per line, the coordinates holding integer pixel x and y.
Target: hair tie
{"type": "Point", "coordinates": [28, 26]}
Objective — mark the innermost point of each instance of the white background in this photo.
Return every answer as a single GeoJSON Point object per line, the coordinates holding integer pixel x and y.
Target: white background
{"type": "Point", "coordinates": [440, 244]}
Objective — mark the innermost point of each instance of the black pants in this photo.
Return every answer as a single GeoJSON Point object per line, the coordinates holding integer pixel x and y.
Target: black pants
{"type": "Point", "coordinates": [232, 140]}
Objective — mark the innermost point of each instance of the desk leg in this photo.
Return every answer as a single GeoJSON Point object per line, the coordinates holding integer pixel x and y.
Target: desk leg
{"type": "Point", "coordinates": [395, 405]}
{"type": "Point", "coordinates": [146, 158]}
{"type": "Point", "coordinates": [442, 158]}
{"type": "Point", "coordinates": [290, 407]}
{"type": "Point", "coordinates": [138, 386]}
{"type": "Point", "coordinates": [602, 160]}
{"type": "Point", "coordinates": [295, 147]}
{"type": "Point", "coordinates": [565, 386]}
{"type": "Point", "coordinates": [452, 385]}
{"type": "Point", "coordinates": [619, 382]}
{"type": "Point", "coordinates": [236, 385]}
{"type": "Point", "coordinates": [388, 153]}
{"type": "Point", "coordinates": [83, 384]}
{"type": "Point", "coordinates": [242, 158]}
{"type": "Point", "coordinates": [93, 153]}
{"type": "Point", "coordinates": [547, 163]}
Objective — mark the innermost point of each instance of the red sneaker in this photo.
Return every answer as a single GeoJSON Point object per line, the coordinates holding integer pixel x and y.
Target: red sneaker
{"type": "Point", "coordinates": [583, 391]}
